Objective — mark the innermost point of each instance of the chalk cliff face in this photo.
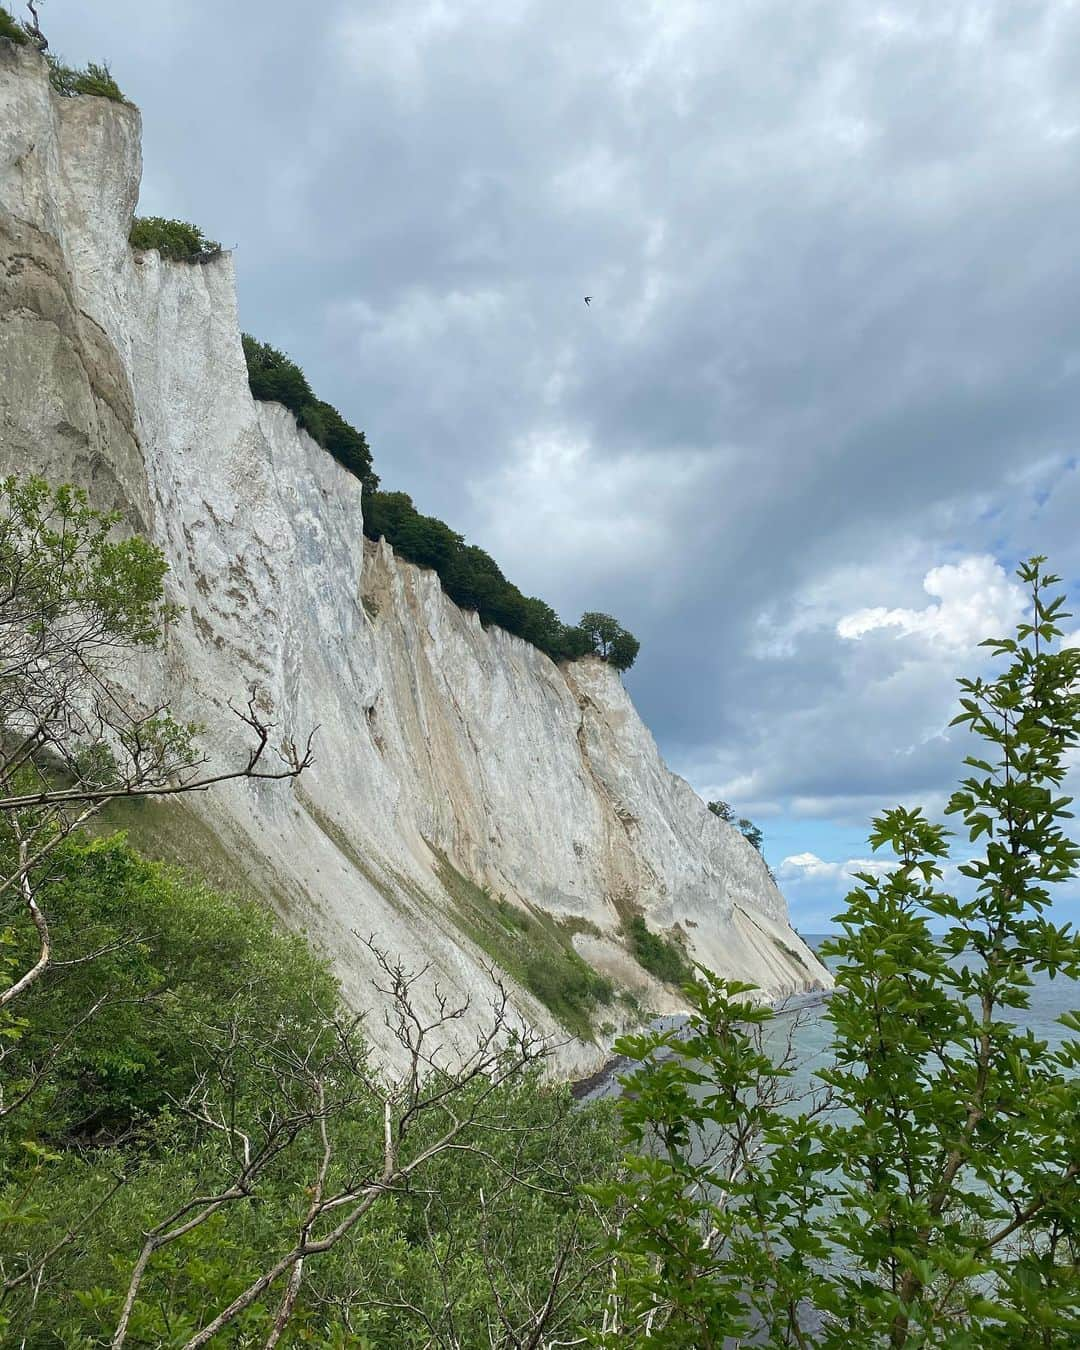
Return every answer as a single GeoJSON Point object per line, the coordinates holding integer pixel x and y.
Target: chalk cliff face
{"type": "Point", "coordinates": [454, 763]}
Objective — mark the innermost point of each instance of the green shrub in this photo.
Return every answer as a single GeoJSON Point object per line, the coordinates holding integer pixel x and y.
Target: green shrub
{"type": "Point", "coordinates": [569, 988]}
{"type": "Point", "coordinates": [177, 240]}
{"type": "Point", "coordinates": [194, 953]}
{"type": "Point", "coordinates": [469, 576]}
{"type": "Point", "coordinates": [95, 81]}
{"type": "Point", "coordinates": [14, 32]}
{"type": "Point", "coordinates": [473, 580]}
{"type": "Point", "coordinates": [659, 956]}
{"type": "Point", "coordinates": [178, 1029]}
{"type": "Point", "coordinates": [275, 379]}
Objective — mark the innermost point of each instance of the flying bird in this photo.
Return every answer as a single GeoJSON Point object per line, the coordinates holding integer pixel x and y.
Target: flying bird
{"type": "Point", "coordinates": [588, 299]}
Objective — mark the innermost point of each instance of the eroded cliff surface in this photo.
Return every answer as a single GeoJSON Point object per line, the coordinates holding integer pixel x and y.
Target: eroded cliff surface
{"type": "Point", "coordinates": [470, 799]}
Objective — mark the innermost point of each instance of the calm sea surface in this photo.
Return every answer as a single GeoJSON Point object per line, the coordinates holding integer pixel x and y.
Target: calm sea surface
{"type": "Point", "coordinates": [1049, 999]}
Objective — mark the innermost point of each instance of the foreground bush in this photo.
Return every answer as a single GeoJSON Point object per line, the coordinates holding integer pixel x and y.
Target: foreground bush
{"type": "Point", "coordinates": [190, 1064]}
{"type": "Point", "coordinates": [930, 1194]}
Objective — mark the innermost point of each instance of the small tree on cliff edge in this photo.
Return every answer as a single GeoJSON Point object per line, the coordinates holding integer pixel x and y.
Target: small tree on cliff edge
{"type": "Point", "coordinates": [610, 640]}
{"type": "Point", "coordinates": [752, 833]}
{"type": "Point", "coordinates": [930, 1196]}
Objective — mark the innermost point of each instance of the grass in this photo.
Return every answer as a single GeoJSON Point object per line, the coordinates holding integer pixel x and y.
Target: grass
{"type": "Point", "coordinates": [372, 875]}
{"type": "Point", "coordinates": [532, 947]}
{"type": "Point", "coordinates": [169, 831]}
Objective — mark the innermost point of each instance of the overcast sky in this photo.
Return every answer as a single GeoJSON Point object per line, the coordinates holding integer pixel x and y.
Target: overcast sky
{"type": "Point", "coordinates": [827, 391]}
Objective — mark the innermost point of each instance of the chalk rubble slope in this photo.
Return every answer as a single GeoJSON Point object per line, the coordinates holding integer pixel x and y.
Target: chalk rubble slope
{"type": "Point", "coordinates": [446, 751]}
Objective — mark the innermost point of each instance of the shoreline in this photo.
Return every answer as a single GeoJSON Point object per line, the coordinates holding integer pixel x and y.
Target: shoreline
{"type": "Point", "coordinates": [602, 1081]}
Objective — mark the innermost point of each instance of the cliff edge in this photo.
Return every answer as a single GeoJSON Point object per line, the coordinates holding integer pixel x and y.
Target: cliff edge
{"type": "Point", "coordinates": [471, 801]}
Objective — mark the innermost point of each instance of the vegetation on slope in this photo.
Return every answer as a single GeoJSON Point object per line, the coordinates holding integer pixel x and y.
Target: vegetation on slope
{"type": "Point", "coordinates": [658, 955]}
{"type": "Point", "coordinates": [533, 948]}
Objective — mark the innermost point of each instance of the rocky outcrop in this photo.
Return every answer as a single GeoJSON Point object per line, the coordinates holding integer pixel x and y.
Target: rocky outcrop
{"type": "Point", "coordinates": [461, 775]}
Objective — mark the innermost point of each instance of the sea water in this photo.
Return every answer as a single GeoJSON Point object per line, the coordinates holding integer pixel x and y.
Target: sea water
{"type": "Point", "coordinates": [810, 1030]}
{"type": "Point", "coordinates": [1049, 998]}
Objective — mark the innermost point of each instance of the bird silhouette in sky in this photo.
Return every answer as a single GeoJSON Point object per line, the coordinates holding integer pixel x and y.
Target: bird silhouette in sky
{"type": "Point", "coordinates": [588, 299]}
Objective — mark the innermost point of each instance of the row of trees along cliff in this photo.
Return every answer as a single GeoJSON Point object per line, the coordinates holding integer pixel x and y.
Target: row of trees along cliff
{"type": "Point", "coordinates": [469, 576]}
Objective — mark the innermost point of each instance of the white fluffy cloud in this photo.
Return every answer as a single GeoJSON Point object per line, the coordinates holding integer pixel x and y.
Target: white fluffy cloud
{"type": "Point", "coordinates": [975, 598]}
{"type": "Point", "coordinates": [808, 867]}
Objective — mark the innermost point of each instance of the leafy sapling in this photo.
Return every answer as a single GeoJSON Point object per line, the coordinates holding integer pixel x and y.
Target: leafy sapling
{"type": "Point", "coordinates": [931, 1197]}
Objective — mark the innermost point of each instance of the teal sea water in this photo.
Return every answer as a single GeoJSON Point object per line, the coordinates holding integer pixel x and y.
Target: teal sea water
{"type": "Point", "coordinates": [810, 1030]}
{"type": "Point", "coordinates": [1049, 999]}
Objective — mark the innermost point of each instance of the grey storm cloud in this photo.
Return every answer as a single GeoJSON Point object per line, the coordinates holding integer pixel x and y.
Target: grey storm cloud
{"type": "Point", "coordinates": [834, 340]}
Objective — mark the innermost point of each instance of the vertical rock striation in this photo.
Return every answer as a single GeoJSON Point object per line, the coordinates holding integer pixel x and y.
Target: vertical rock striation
{"type": "Point", "coordinates": [459, 770]}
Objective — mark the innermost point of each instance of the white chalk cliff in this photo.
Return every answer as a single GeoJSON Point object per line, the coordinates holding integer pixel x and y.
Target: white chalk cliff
{"type": "Point", "coordinates": [447, 754]}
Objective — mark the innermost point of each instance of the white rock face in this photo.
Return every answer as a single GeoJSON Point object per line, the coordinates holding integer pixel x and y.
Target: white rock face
{"type": "Point", "coordinates": [439, 741]}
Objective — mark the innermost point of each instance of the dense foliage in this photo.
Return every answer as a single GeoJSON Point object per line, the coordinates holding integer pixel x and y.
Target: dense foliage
{"type": "Point", "coordinates": [474, 580]}
{"type": "Point", "coordinates": [11, 29]}
{"type": "Point", "coordinates": [177, 240]}
{"type": "Point", "coordinates": [929, 1195]}
{"type": "Point", "coordinates": [179, 1023]}
{"type": "Point", "coordinates": [469, 576]}
{"type": "Point", "coordinates": [273, 377]}
{"type": "Point", "coordinates": [93, 80]}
